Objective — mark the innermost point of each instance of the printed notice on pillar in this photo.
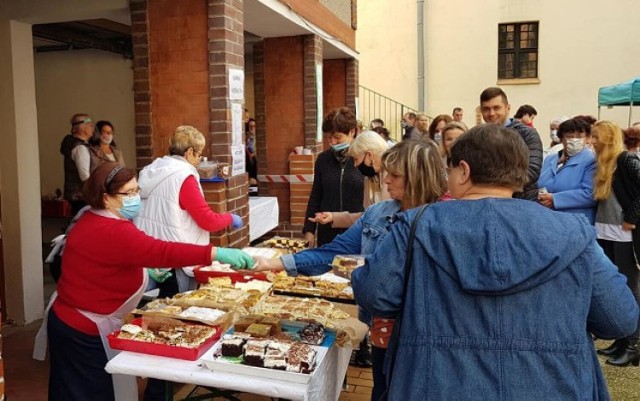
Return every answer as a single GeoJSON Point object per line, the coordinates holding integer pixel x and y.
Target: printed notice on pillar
{"type": "Point", "coordinates": [236, 124]}
{"type": "Point", "coordinates": [236, 84]}
{"type": "Point", "coordinates": [237, 164]}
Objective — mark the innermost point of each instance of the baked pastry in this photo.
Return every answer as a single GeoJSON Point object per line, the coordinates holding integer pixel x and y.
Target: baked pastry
{"type": "Point", "coordinates": [301, 358]}
{"type": "Point", "coordinates": [254, 352]}
{"type": "Point", "coordinates": [259, 330]}
{"type": "Point", "coordinates": [233, 346]}
{"type": "Point", "coordinates": [312, 333]}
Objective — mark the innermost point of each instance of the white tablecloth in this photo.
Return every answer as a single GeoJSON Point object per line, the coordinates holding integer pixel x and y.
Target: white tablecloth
{"type": "Point", "coordinates": [325, 384]}
{"type": "Point", "coordinates": [263, 216]}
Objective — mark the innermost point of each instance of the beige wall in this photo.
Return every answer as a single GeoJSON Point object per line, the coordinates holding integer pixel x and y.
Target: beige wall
{"type": "Point", "coordinates": [387, 42]}
{"type": "Point", "coordinates": [81, 81]}
{"type": "Point", "coordinates": [584, 44]}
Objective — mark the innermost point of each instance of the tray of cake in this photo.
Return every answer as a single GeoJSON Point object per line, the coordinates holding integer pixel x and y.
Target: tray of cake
{"type": "Point", "coordinates": [198, 314]}
{"type": "Point", "coordinates": [289, 245]}
{"type": "Point", "coordinates": [328, 286]}
{"type": "Point", "coordinates": [289, 351]}
{"type": "Point", "coordinates": [165, 337]}
{"type": "Point", "coordinates": [202, 274]}
{"type": "Point", "coordinates": [219, 298]}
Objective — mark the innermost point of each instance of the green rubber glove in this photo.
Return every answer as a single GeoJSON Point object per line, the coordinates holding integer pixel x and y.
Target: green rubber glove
{"type": "Point", "coordinates": [235, 257]}
{"type": "Point", "coordinates": [159, 275]}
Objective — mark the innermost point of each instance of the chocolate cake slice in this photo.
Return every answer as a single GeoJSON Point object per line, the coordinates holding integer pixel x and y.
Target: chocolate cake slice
{"type": "Point", "coordinates": [254, 352]}
{"type": "Point", "coordinates": [233, 346]}
{"type": "Point", "coordinates": [312, 333]}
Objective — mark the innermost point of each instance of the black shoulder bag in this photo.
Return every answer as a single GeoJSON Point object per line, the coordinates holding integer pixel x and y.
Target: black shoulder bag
{"type": "Point", "coordinates": [395, 333]}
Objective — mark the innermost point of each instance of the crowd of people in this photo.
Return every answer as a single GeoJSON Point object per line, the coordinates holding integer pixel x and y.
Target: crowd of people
{"type": "Point", "coordinates": [505, 288]}
{"type": "Point", "coordinates": [492, 263]}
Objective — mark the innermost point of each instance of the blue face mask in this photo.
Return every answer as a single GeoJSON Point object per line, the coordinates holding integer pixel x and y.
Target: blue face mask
{"type": "Point", "coordinates": [130, 207]}
{"type": "Point", "coordinates": [340, 146]}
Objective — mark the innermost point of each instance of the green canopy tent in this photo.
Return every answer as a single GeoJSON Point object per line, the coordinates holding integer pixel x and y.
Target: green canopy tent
{"type": "Point", "coordinates": [624, 94]}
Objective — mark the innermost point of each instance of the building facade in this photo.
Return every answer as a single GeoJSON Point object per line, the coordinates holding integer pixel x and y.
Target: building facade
{"type": "Point", "coordinates": [552, 55]}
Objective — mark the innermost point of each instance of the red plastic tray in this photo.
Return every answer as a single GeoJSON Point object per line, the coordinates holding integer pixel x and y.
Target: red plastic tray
{"type": "Point", "coordinates": [203, 276]}
{"type": "Point", "coordinates": [190, 354]}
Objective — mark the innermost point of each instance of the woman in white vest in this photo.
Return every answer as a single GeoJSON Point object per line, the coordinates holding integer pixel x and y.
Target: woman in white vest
{"type": "Point", "coordinates": [174, 208]}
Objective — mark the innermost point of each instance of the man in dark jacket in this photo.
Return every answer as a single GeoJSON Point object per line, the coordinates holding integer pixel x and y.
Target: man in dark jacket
{"type": "Point", "coordinates": [495, 108]}
{"type": "Point", "coordinates": [75, 149]}
{"type": "Point", "coordinates": [408, 125]}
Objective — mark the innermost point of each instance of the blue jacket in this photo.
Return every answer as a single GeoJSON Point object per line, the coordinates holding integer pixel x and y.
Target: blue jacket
{"type": "Point", "coordinates": [360, 239]}
{"type": "Point", "coordinates": [497, 308]}
{"type": "Point", "coordinates": [572, 186]}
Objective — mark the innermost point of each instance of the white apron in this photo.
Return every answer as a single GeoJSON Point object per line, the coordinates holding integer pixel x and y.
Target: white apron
{"type": "Point", "coordinates": [125, 387]}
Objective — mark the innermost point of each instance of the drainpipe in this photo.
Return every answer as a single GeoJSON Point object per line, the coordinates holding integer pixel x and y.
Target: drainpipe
{"type": "Point", "coordinates": [421, 68]}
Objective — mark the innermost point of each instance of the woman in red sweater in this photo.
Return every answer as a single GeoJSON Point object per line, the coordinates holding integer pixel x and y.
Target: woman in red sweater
{"type": "Point", "coordinates": [102, 280]}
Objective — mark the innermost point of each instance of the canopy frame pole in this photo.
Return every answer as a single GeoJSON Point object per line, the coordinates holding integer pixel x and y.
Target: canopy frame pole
{"type": "Point", "coordinates": [630, 112]}
{"type": "Point", "coordinates": [598, 112]}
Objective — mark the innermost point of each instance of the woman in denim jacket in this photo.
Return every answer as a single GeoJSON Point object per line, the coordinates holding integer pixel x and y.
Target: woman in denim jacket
{"type": "Point", "coordinates": [414, 176]}
{"type": "Point", "coordinates": [495, 307]}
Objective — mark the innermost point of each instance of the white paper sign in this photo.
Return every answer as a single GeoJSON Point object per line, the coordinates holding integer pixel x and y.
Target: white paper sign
{"type": "Point", "coordinates": [236, 124]}
{"type": "Point", "coordinates": [237, 163]}
{"type": "Point", "coordinates": [236, 84]}
{"type": "Point", "coordinates": [319, 101]}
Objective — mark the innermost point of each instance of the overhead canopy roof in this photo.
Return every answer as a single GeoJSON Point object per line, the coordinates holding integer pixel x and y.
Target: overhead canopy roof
{"type": "Point", "coordinates": [623, 94]}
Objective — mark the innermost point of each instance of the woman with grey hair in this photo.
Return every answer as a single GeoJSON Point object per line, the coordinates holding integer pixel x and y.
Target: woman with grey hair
{"type": "Point", "coordinates": [173, 205]}
{"type": "Point", "coordinates": [366, 151]}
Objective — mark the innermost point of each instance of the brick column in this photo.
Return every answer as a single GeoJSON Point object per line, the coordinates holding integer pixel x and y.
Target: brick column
{"type": "Point", "coordinates": [352, 83]}
{"type": "Point", "coordinates": [142, 91]}
{"type": "Point", "coordinates": [300, 191]}
{"type": "Point", "coordinates": [312, 57]}
{"type": "Point", "coordinates": [226, 51]}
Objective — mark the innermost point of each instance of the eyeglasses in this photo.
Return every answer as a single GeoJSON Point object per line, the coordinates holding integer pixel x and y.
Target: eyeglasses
{"type": "Point", "coordinates": [85, 120]}
{"type": "Point", "coordinates": [130, 194]}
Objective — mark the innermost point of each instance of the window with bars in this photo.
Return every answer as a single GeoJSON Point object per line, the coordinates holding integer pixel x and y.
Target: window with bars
{"type": "Point", "coordinates": [518, 50]}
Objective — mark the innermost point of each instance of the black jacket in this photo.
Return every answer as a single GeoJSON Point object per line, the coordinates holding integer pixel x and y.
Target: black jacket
{"type": "Point", "coordinates": [337, 187]}
{"type": "Point", "coordinates": [530, 136]}
{"type": "Point", "coordinates": [626, 186]}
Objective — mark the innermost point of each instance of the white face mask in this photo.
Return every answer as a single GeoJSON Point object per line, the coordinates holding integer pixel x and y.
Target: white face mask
{"type": "Point", "coordinates": [574, 146]}
{"type": "Point", "coordinates": [106, 139]}
{"type": "Point", "coordinates": [554, 135]}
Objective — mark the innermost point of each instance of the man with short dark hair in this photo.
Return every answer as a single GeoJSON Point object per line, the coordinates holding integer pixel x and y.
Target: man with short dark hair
{"type": "Point", "coordinates": [495, 108]}
{"type": "Point", "coordinates": [408, 125]}
{"type": "Point", "coordinates": [457, 114]}
{"type": "Point", "coordinates": [376, 122]}
{"type": "Point", "coordinates": [75, 149]}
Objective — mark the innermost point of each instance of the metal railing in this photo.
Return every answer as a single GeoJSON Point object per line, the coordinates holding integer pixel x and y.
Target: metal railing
{"type": "Point", "coordinates": [375, 105]}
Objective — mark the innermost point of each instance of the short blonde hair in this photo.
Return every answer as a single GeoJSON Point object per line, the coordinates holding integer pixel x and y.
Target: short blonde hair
{"type": "Point", "coordinates": [185, 137]}
{"type": "Point", "coordinates": [419, 162]}
{"type": "Point", "coordinates": [368, 141]}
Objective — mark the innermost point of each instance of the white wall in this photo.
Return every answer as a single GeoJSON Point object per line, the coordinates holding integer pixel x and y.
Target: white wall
{"type": "Point", "coordinates": [583, 45]}
{"type": "Point", "coordinates": [387, 42]}
{"type": "Point", "coordinates": [81, 81]}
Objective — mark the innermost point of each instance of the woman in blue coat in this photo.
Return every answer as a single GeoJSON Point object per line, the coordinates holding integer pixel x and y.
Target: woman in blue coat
{"type": "Point", "coordinates": [566, 180]}
{"type": "Point", "coordinates": [494, 307]}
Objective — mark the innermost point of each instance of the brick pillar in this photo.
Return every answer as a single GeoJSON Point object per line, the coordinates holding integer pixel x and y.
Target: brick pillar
{"type": "Point", "coordinates": [312, 57]}
{"type": "Point", "coordinates": [300, 191]}
{"type": "Point", "coordinates": [182, 54]}
{"type": "Point", "coordinates": [335, 84]}
{"type": "Point", "coordinates": [226, 51]}
{"type": "Point", "coordinates": [142, 91]}
{"type": "Point", "coordinates": [352, 83]}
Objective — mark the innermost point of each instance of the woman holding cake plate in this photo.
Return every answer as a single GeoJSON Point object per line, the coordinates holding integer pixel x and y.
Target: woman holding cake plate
{"type": "Point", "coordinates": [414, 176]}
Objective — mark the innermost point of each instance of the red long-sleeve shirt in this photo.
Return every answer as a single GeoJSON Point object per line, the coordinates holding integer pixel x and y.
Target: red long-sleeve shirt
{"type": "Point", "coordinates": [193, 202]}
{"type": "Point", "coordinates": [102, 266]}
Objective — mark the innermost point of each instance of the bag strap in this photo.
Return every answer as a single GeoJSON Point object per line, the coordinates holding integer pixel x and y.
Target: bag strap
{"type": "Point", "coordinates": [407, 270]}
